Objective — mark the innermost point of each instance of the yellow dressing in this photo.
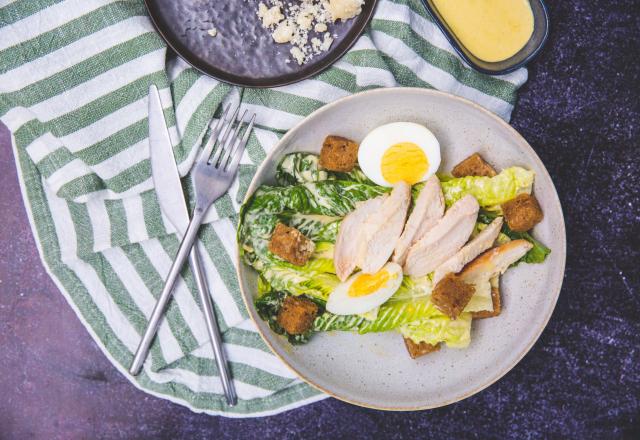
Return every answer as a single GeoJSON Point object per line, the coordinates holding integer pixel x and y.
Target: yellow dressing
{"type": "Point", "coordinates": [367, 284]}
{"type": "Point", "coordinates": [404, 161]}
{"type": "Point", "coordinates": [492, 30]}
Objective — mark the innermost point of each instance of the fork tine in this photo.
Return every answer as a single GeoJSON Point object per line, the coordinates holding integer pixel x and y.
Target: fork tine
{"type": "Point", "coordinates": [239, 151]}
{"type": "Point", "coordinates": [215, 131]}
{"type": "Point", "coordinates": [222, 142]}
{"type": "Point", "coordinates": [233, 141]}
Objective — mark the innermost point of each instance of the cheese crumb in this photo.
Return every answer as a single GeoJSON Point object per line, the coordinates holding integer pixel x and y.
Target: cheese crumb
{"type": "Point", "coordinates": [270, 16]}
{"type": "Point", "coordinates": [297, 54]}
{"type": "Point", "coordinates": [294, 22]}
{"type": "Point", "coordinates": [283, 32]}
{"type": "Point", "coordinates": [212, 32]}
{"type": "Point", "coordinates": [343, 9]}
{"type": "Point", "coordinates": [320, 27]}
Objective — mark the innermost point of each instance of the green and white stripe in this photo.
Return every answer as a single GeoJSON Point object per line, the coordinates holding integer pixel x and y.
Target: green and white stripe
{"type": "Point", "coordinates": [74, 76]}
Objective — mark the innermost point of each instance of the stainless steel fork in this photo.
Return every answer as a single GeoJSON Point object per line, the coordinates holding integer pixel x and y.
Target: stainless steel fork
{"type": "Point", "coordinates": [212, 177]}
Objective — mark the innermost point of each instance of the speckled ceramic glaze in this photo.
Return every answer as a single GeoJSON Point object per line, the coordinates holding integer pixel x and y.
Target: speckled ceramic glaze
{"type": "Point", "coordinates": [243, 52]}
{"type": "Point", "coordinates": [375, 370]}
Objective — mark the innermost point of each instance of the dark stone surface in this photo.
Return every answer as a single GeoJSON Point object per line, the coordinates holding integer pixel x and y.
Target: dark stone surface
{"type": "Point", "coordinates": [581, 112]}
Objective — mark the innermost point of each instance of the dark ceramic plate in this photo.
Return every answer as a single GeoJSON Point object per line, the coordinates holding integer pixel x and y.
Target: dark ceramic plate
{"type": "Point", "coordinates": [243, 53]}
{"type": "Point", "coordinates": [526, 54]}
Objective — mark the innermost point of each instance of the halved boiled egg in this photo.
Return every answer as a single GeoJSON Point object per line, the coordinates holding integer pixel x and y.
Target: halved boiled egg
{"type": "Point", "coordinates": [399, 151]}
{"type": "Point", "coordinates": [362, 292]}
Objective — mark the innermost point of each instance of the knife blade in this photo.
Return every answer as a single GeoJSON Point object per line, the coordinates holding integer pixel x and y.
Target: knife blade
{"type": "Point", "coordinates": [163, 167]}
{"type": "Point", "coordinates": [170, 195]}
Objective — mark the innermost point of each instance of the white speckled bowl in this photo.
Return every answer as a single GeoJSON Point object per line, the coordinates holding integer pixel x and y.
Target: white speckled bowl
{"type": "Point", "coordinates": [375, 370]}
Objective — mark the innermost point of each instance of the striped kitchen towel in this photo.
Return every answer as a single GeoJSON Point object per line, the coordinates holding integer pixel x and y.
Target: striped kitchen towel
{"type": "Point", "coordinates": [74, 76]}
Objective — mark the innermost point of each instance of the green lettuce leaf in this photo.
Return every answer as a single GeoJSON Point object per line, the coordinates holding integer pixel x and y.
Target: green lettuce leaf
{"type": "Point", "coordinates": [537, 254]}
{"type": "Point", "coordinates": [305, 167]}
{"type": "Point", "coordinates": [433, 330]}
{"type": "Point", "coordinates": [413, 288]}
{"type": "Point", "coordinates": [390, 316]}
{"type": "Point", "coordinates": [489, 191]}
{"type": "Point", "coordinates": [330, 197]}
{"type": "Point", "coordinates": [302, 280]}
{"type": "Point", "coordinates": [314, 226]}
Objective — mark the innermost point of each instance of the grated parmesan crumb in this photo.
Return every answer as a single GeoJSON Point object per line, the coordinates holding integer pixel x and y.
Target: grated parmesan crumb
{"type": "Point", "coordinates": [303, 24]}
{"type": "Point", "coordinates": [320, 27]}
{"type": "Point", "coordinates": [284, 32]}
{"type": "Point", "coordinates": [344, 9]}
{"type": "Point", "coordinates": [297, 54]}
{"type": "Point", "coordinates": [270, 16]}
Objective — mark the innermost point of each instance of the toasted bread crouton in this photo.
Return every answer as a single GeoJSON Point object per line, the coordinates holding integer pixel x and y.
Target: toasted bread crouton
{"type": "Point", "coordinates": [451, 295]}
{"type": "Point", "coordinates": [522, 213]}
{"type": "Point", "coordinates": [338, 154]}
{"type": "Point", "coordinates": [495, 299]}
{"type": "Point", "coordinates": [473, 165]}
{"type": "Point", "coordinates": [291, 245]}
{"type": "Point", "coordinates": [297, 314]}
{"type": "Point", "coordinates": [417, 350]}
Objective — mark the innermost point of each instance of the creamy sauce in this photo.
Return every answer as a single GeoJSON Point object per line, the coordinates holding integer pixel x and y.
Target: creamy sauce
{"type": "Point", "coordinates": [492, 30]}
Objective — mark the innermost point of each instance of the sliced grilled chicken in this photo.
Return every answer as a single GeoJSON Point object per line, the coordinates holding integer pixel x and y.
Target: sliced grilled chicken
{"type": "Point", "coordinates": [445, 239]}
{"type": "Point", "coordinates": [350, 238]}
{"type": "Point", "coordinates": [480, 243]}
{"type": "Point", "coordinates": [383, 229]}
{"type": "Point", "coordinates": [487, 266]}
{"type": "Point", "coordinates": [495, 261]}
{"type": "Point", "coordinates": [435, 211]}
{"type": "Point", "coordinates": [428, 209]}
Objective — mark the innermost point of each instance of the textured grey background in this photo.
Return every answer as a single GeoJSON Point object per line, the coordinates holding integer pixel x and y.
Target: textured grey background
{"type": "Point", "coordinates": [580, 110]}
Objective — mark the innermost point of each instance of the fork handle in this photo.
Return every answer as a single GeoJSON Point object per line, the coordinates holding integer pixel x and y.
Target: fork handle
{"type": "Point", "coordinates": [158, 310]}
{"type": "Point", "coordinates": [212, 327]}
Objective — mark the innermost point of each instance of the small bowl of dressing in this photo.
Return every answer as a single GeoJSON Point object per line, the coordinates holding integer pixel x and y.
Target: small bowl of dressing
{"type": "Point", "coordinates": [493, 36]}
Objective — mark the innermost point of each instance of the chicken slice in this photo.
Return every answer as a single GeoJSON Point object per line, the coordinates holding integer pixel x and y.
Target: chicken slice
{"type": "Point", "coordinates": [428, 209]}
{"type": "Point", "coordinates": [483, 241]}
{"type": "Point", "coordinates": [383, 229]}
{"type": "Point", "coordinates": [445, 239]}
{"type": "Point", "coordinates": [487, 266]}
{"type": "Point", "coordinates": [495, 261]}
{"type": "Point", "coordinates": [350, 238]}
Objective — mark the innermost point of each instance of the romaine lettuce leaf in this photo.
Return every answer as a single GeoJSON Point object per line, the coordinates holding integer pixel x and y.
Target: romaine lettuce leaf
{"type": "Point", "coordinates": [489, 191]}
{"type": "Point", "coordinates": [413, 288]}
{"type": "Point", "coordinates": [314, 226]}
{"type": "Point", "coordinates": [305, 167]}
{"type": "Point", "coordinates": [537, 254]}
{"type": "Point", "coordinates": [311, 279]}
{"type": "Point", "coordinates": [330, 197]}
{"type": "Point", "coordinates": [390, 316]}
{"type": "Point", "coordinates": [433, 330]}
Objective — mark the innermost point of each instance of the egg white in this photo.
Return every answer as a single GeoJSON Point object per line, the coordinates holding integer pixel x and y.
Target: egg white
{"type": "Point", "coordinates": [340, 303]}
{"type": "Point", "coordinates": [374, 145]}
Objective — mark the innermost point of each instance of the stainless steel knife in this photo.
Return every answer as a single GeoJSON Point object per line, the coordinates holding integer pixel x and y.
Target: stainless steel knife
{"type": "Point", "coordinates": [173, 204]}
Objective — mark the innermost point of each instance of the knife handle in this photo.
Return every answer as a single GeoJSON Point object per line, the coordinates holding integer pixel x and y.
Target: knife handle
{"type": "Point", "coordinates": [212, 327]}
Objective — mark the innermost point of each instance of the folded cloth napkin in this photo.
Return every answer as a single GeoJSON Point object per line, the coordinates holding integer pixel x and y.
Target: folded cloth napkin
{"type": "Point", "coordinates": [74, 76]}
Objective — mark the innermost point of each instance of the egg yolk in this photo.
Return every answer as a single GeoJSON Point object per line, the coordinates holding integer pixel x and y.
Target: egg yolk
{"type": "Point", "coordinates": [404, 161]}
{"type": "Point", "coordinates": [366, 284]}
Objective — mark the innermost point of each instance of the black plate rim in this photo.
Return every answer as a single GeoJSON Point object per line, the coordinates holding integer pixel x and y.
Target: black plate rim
{"type": "Point", "coordinates": [193, 61]}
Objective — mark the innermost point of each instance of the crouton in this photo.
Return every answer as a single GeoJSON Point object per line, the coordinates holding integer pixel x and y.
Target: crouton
{"type": "Point", "coordinates": [417, 350]}
{"type": "Point", "coordinates": [522, 213]}
{"type": "Point", "coordinates": [297, 314]}
{"type": "Point", "coordinates": [338, 154]}
{"type": "Point", "coordinates": [451, 295]}
{"type": "Point", "coordinates": [291, 245]}
{"type": "Point", "coordinates": [495, 298]}
{"type": "Point", "coordinates": [473, 165]}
